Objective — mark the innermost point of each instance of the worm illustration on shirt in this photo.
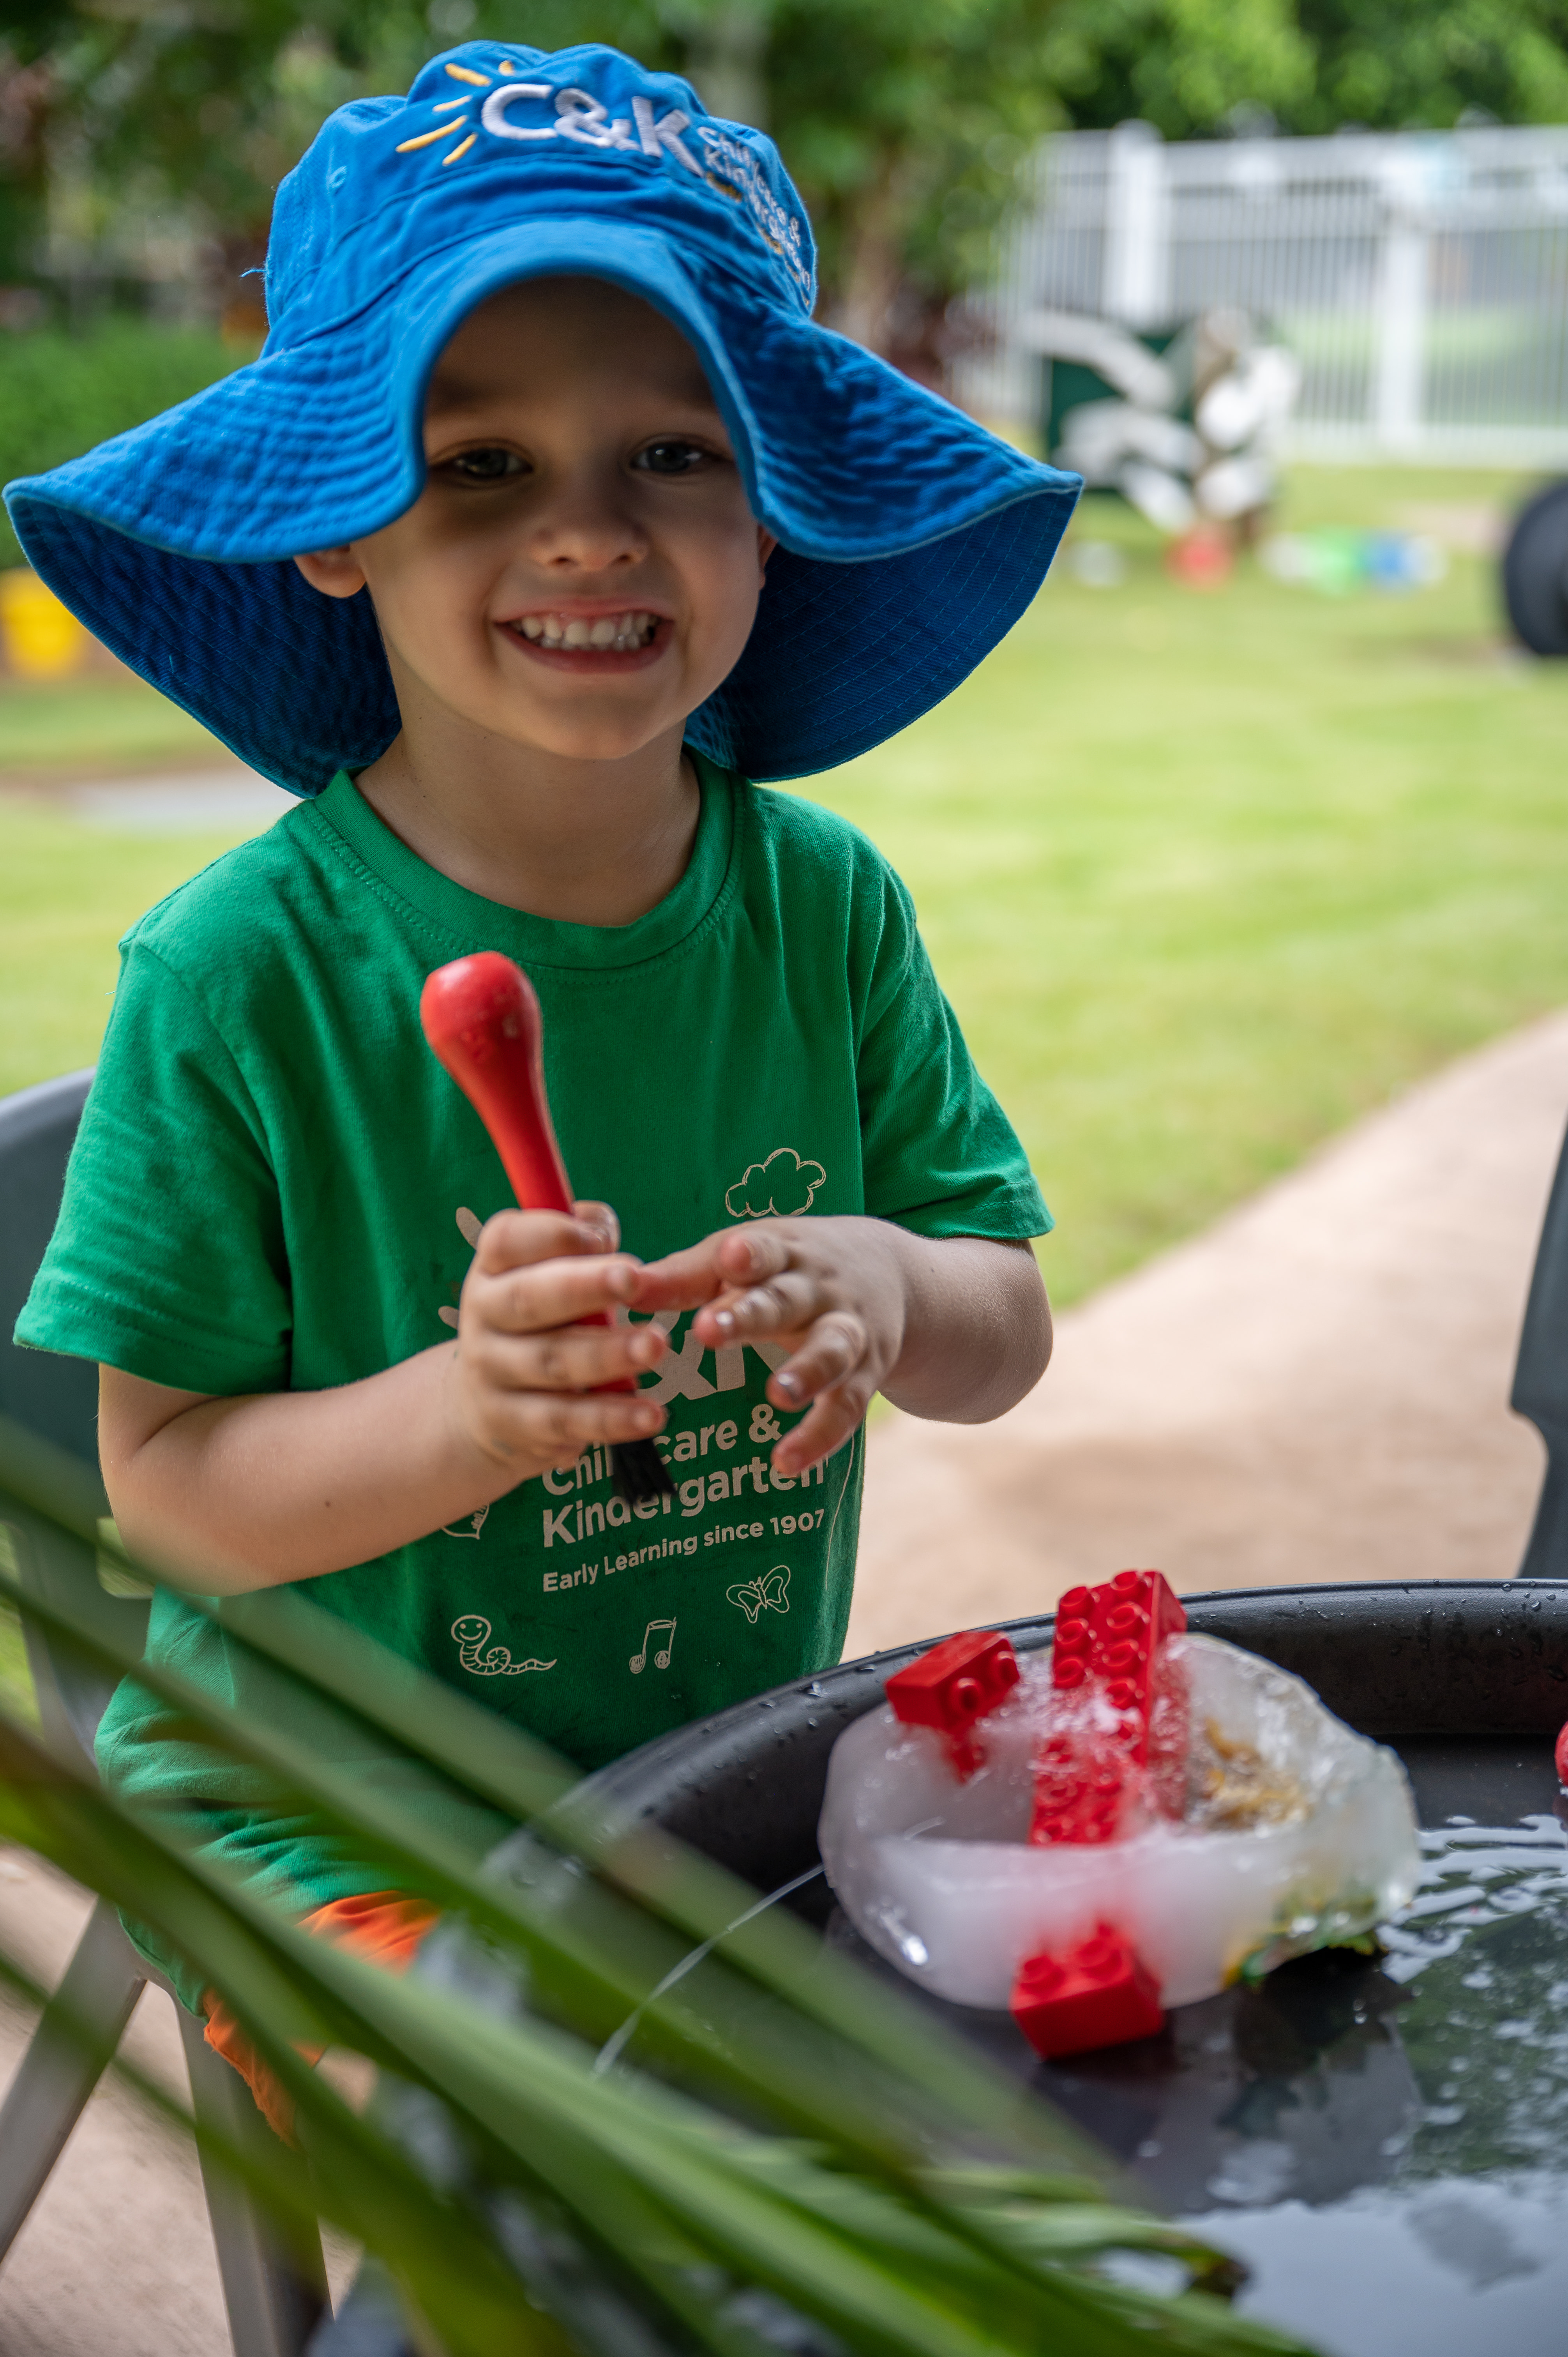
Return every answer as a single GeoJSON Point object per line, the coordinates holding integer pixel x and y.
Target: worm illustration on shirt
{"type": "Point", "coordinates": [471, 1632]}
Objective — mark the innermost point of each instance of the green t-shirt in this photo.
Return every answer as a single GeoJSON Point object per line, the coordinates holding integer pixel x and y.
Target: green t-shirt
{"type": "Point", "coordinates": [276, 1186]}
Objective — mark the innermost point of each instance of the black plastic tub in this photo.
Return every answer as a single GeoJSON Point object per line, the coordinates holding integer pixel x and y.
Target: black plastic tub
{"type": "Point", "coordinates": [1385, 2142]}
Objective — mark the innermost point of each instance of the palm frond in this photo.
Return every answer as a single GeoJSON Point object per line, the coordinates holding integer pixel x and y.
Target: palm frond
{"type": "Point", "coordinates": [782, 2136]}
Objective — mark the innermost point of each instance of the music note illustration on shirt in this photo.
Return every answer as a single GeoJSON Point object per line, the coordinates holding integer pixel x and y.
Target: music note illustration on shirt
{"type": "Point", "coordinates": [639, 1662]}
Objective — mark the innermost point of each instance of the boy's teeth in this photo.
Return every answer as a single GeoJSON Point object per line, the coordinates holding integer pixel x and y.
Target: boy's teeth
{"type": "Point", "coordinates": [624, 632]}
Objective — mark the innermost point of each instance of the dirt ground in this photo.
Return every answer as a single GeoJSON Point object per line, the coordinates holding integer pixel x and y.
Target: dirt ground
{"type": "Point", "coordinates": [1317, 1389]}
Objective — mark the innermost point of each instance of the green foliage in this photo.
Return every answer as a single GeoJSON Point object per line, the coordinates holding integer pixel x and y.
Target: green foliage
{"type": "Point", "coordinates": [1197, 67]}
{"type": "Point", "coordinates": [904, 121]}
{"type": "Point", "coordinates": [59, 394]}
{"type": "Point", "coordinates": [1392, 62]}
{"type": "Point", "coordinates": [773, 2125]}
{"type": "Point", "coordinates": [1184, 65]}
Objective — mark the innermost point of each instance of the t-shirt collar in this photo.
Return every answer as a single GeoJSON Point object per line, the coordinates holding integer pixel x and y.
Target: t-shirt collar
{"type": "Point", "coordinates": [472, 920]}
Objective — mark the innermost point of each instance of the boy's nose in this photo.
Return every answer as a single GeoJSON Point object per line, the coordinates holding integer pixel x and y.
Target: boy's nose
{"type": "Point", "coordinates": [587, 532]}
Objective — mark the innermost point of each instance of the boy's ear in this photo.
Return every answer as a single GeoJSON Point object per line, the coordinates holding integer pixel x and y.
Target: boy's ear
{"type": "Point", "coordinates": [767, 542]}
{"type": "Point", "coordinates": [336, 572]}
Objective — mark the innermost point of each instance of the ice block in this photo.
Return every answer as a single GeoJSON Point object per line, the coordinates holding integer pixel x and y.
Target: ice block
{"type": "Point", "coordinates": [1296, 1833]}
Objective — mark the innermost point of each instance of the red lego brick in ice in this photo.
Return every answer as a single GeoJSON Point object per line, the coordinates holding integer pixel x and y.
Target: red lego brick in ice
{"type": "Point", "coordinates": [1080, 1782]}
{"type": "Point", "coordinates": [954, 1685]}
{"type": "Point", "coordinates": [1074, 1639]}
{"type": "Point", "coordinates": [1099, 1994]}
{"type": "Point", "coordinates": [1133, 1614]}
{"type": "Point", "coordinates": [1079, 1789]}
{"type": "Point", "coordinates": [1561, 1755]}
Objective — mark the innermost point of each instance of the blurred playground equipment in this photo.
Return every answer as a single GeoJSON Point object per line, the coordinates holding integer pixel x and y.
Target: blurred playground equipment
{"type": "Point", "coordinates": [39, 639]}
{"type": "Point", "coordinates": [1185, 426]}
{"type": "Point", "coordinates": [1419, 279]}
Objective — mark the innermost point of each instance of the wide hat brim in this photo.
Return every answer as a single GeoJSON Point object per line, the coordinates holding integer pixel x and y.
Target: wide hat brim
{"type": "Point", "coordinates": [910, 539]}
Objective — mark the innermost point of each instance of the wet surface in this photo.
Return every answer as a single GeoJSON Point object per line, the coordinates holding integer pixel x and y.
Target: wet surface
{"type": "Point", "coordinates": [1383, 2142]}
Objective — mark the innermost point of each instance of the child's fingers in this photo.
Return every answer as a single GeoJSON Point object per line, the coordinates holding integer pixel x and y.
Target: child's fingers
{"type": "Point", "coordinates": [519, 1238]}
{"type": "Point", "coordinates": [832, 1350]}
{"type": "Point", "coordinates": [829, 1422]}
{"type": "Point", "coordinates": [749, 1256]}
{"type": "Point", "coordinates": [681, 1280]}
{"type": "Point", "coordinates": [601, 1222]}
{"type": "Point", "coordinates": [554, 1293]}
{"type": "Point", "coordinates": [785, 1305]}
{"type": "Point", "coordinates": [553, 1428]}
{"type": "Point", "coordinates": [565, 1359]}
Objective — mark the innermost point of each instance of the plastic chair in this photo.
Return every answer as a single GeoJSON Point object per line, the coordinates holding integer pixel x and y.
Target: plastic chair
{"type": "Point", "coordinates": [273, 2307]}
{"type": "Point", "coordinates": [1541, 1382]}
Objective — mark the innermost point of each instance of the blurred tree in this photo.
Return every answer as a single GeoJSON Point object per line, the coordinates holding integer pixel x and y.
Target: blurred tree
{"type": "Point", "coordinates": [904, 120]}
{"type": "Point", "coordinates": [1192, 67]}
{"type": "Point", "coordinates": [1435, 62]}
{"type": "Point", "coordinates": [1197, 68]}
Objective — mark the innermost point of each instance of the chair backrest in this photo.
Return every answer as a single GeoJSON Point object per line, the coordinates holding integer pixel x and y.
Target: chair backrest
{"type": "Point", "coordinates": [56, 1400]}
{"type": "Point", "coordinates": [1541, 1382]}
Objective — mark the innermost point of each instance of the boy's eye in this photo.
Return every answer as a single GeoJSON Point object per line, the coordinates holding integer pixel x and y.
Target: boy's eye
{"type": "Point", "coordinates": [483, 466]}
{"type": "Point", "coordinates": [673, 455]}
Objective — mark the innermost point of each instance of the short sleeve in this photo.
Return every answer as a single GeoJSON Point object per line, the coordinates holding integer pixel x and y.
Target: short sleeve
{"type": "Point", "coordinates": [939, 1156]}
{"type": "Point", "coordinates": [168, 1258]}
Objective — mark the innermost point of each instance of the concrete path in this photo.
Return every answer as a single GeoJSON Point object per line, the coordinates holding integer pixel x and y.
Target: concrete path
{"type": "Point", "coordinates": [1315, 1389]}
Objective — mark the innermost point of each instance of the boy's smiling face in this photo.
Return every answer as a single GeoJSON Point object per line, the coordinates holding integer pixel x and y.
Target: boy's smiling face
{"type": "Point", "coordinates": [582, 568]}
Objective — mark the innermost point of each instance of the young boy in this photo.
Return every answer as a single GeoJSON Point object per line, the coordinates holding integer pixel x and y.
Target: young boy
{"type": "Point", "coordinates": [547, 520]}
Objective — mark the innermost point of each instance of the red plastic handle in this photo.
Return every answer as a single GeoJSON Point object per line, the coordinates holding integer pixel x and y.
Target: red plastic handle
{"type": "Point", "coordinates": [481, 1017]}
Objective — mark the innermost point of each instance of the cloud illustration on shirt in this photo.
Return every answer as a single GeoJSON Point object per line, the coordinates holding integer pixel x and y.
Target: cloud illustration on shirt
{"type": "Point", "coordinates": [779, 1188]}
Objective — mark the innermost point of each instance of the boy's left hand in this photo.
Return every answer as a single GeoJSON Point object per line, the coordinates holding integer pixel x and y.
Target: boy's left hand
{"type": "Point", "coordinates": [834, 1293]}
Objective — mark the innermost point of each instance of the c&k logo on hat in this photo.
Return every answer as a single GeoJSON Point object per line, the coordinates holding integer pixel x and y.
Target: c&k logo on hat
{"type": "Point", "coordinates": [532, 112]}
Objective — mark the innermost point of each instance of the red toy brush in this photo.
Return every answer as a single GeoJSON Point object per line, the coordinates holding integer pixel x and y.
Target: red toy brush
{"type": "Point", "coordinates": [481, 1017]}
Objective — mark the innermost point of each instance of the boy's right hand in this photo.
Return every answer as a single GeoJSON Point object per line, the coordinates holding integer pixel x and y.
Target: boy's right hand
{"type": "Point", "coordinates": [526, 1374]}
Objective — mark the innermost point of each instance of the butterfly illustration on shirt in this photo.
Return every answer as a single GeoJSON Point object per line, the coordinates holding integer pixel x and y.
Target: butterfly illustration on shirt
{"type": "Point", "coordinates": [769, 1592]}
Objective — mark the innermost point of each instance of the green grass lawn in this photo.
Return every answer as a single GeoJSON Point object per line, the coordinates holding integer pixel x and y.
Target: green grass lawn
{"type": "Point", "coordinates": [1206, 875]}
{"type": "Point", "coordinates": [96, 724]}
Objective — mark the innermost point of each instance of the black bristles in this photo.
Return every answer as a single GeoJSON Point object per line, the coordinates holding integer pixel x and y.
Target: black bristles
{"type": "Point", "coordinates": [639, 1471]}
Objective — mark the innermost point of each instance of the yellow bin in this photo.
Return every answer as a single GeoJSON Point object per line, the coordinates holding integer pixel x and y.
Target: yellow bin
{"type": "Point", "coordinates": [41, 639]}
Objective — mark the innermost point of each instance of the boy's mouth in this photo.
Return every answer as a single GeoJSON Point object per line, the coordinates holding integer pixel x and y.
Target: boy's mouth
{"type": "Point", "coordinates": [614, 634]}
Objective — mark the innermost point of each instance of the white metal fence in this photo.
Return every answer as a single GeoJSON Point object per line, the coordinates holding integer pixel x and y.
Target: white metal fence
{"type": "Point", "coordinates": [1420, 278]}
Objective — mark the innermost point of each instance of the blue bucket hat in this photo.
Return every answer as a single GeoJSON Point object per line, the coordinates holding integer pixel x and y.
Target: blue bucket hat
{"type": "Point", "coordinates": [910, 539]}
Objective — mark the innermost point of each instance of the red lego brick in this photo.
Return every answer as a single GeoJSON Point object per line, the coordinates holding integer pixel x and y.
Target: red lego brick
{"type": "Point", "coordinates": [1110, 1656]}
{"type": "Point", "coordinates": [952, 1687]}
{"type": "Point", "coordinates": [1099, 1994]}
{"type": "Point", "coordinates": [1132, 1616]}
{"type": "Point", "coordinates": [1080, 1791]}
{"type": "Point", "coordinates": [1561, 1756]}
{"type": "Point", "coordinates": [1073, 1640]}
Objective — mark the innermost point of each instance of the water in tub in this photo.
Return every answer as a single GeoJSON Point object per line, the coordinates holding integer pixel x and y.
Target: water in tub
{"type": "Point", "coordinates": [1383, 2140]}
